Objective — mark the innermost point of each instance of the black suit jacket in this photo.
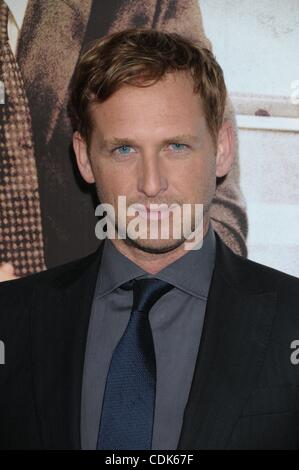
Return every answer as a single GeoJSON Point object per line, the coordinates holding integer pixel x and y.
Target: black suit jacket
{"type": "Point", "coordinates": [245, 389]}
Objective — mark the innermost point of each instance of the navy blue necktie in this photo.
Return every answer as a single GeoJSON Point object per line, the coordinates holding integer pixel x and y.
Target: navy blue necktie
{"type": "Point", "coordinates": [129, 398]}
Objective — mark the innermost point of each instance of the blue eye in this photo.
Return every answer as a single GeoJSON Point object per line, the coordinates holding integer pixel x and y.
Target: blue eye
{"type": "Point", "coordinates": [123, 149]}
{"type": "Point", "coordinates": [179, 147]}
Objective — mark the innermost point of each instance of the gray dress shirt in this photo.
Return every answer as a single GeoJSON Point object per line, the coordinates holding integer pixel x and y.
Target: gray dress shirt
{"type": "Point", "coordinates": [176, 320]}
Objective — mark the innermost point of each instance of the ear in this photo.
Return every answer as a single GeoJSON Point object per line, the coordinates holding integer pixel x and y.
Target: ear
{"type": "Point", "coordinates": [225, 149]}
{"type": "Point", "coordinates": [83, 160]}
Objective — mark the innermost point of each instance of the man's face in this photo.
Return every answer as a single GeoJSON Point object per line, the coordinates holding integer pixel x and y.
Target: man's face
{"type": "Point", "coordinates": [152, 145]}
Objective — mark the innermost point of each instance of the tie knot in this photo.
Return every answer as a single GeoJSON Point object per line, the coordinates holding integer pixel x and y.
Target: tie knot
{"type": "Point", "coordinates": [3, 21]}
{"type": "Point", "coordinates": [146, 292]}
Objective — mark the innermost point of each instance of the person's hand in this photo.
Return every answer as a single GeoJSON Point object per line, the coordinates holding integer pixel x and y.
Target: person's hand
{"type": "Point", "coordinates": [7, 272]}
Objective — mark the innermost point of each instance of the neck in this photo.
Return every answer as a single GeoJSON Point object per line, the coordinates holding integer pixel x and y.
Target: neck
{"type": "Point", "coordinates": [154, 262]}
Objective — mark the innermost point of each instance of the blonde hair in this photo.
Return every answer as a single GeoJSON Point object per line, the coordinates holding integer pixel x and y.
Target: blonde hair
{"type": "Point", "coordinates": [141, 57]}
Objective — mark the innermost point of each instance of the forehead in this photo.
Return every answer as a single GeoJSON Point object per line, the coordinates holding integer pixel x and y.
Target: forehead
{"type": "Point", "coordinates": [169, 103]}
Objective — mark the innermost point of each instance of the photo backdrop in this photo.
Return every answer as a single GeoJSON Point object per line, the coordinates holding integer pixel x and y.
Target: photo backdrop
{"type": "Point", "coordinates": [255, 209]}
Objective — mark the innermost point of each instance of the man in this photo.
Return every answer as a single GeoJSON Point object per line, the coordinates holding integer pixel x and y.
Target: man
{"type": "Point", "coordinates": [46, 39]}
{"type": "Point", "coordinates": [143, 344]}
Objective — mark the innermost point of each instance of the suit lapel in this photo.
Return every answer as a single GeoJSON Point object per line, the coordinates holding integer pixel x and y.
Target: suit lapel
{"type": "Point", "coordinates": [59, 325]}
{"type": "Point", "coordinates": [234, 340]}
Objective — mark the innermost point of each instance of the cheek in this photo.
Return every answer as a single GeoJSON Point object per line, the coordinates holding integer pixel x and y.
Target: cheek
{"type": "Point", "coordinates": [198, 176]}
{"type": "Point", "coordinates": [112, 182]}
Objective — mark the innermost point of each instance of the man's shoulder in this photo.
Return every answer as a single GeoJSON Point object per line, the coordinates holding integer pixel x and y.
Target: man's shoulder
{"type": "Point", "coordinates": [39, 296]}
{"type": "Point", "coordinates": [264, 285]}
{"type": "Point", "coordinates": [249, 276]}
{"type": "Point", "coordinates": [19, 296]}
{"type": "Point", "coordinates": [52, 277]}
{"type": "Point", "coordinates": [270, 274]}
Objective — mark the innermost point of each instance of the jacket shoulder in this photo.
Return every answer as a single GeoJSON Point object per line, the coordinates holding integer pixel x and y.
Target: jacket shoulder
{"type": "Point", "coordinates": [51, 276]}
{"type": "Point", "coordinates": [246, 274]}
{"type": "Point", "coordinates": [16, 295]}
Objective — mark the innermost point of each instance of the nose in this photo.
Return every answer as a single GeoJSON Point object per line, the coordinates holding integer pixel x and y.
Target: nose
{"type": "Point", "coordinates": [151, 179]}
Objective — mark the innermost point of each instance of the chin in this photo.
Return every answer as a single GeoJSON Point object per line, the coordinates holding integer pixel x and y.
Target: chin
{"type": "Point", "coordinates": [155, 246]}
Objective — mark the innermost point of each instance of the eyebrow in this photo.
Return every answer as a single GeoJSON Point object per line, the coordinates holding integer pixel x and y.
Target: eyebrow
{"type": "Point", "coordinates": [114, 141]}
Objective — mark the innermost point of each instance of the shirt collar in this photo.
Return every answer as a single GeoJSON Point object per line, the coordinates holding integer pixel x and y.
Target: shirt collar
{"type": "Point", "coordinates": [17, 10]}
{"type": "Point", "coordinates": [191, 273]}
